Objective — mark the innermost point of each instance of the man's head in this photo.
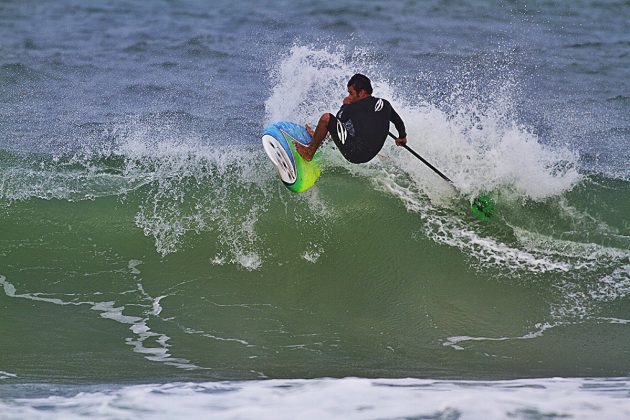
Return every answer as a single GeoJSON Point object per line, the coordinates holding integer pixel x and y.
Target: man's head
{"type": "Point", "coordinates": [359, 87]}
{"type": "Point", "coordinates": [360, 82]}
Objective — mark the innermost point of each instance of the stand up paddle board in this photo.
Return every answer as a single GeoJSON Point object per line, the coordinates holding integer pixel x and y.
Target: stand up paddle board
{"type": "Point", "coordinates": [297, 173]}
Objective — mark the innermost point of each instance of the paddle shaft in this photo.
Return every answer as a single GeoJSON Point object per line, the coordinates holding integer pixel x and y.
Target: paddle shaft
{"type": "Point", "coordinates": [436, 170]}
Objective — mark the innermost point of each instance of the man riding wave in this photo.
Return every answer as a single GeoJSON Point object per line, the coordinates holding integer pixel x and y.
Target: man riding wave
{"type": "Point", "coordinates": [360, 127]}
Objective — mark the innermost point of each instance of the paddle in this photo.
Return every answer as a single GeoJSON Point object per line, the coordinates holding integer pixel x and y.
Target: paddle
{"type": "Point", "coordinates": [482, 206]}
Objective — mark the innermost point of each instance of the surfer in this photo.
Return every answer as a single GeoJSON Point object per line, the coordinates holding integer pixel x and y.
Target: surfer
{"type": "Point", "coordinates": [360, 127]}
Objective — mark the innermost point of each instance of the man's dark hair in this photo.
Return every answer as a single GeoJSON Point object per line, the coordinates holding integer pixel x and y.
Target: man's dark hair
{"type": "Point", "coordinates": [360, 82]}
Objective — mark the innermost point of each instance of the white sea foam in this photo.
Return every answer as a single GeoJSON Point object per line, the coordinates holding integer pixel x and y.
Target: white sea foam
{"type": "Point", "coordinates": [311, 256]}
{"type": "Point", "coordinates": [568, 249]}
{"type": "Point", "coordinates": [198, 188]}
{"type": "Point", "coordinates": [214, 336]}
{"type": "Point", "coordinates": [583, 299]}
{"type": "Point", "coordinates": [444, 227]}
{"type": "Point", "coordinates": [133, 264]}
{"type": "Point", "coordinates": [157, 308]}
{"type": "Point", "coordinates": [190, 193]}
{"type": "Point", "coordinates": [23, 182]}
{"type": "Point", "coordinates": [7, 375]}
{"type": "Point", "coordinates": [348, 398]}
{"type": "Point", "coordinates": [138, 325]}
{"type": "Point", "coordinates": [305, 79]}
{"type": "Point", "coordinates": [613, 286]}
{"type": "Point", "coordinates": [455, 340]}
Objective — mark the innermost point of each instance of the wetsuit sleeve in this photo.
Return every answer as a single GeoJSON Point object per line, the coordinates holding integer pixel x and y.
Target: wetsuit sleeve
{"type": "Point", "coordinates": [398, 123]}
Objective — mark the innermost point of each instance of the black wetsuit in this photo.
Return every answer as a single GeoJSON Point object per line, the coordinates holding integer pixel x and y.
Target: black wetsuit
{"type": "Point", "coordinates": [360, 129]}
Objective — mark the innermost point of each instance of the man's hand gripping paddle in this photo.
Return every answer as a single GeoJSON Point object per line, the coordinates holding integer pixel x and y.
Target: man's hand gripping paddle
{"type": "Point", "coordinates": [482, 206]}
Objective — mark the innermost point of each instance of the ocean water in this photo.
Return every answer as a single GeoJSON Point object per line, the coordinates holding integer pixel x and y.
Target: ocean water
{"type": "Point", "coordinates": [153, 265]}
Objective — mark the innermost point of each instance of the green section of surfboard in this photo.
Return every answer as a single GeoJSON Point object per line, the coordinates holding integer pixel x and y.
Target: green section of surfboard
{"type": "Point", "coordinates": [307, 171]}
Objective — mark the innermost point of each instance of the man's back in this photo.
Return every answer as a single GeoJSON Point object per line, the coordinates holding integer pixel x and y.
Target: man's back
{"type": "Point", "coordinates": [366, 125]}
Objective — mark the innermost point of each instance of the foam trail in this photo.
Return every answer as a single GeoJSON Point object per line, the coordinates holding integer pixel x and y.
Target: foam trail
{"type": "Point", "coordinates": [109, 310]}
{"type": "Point", "coordinates": [455, 340]}
{"type": "Point", "coordinates": [7, 375]}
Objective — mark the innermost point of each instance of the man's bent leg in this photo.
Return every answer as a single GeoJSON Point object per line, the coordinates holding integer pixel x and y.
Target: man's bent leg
{"type": "Point", "coordinates": [307, 152]}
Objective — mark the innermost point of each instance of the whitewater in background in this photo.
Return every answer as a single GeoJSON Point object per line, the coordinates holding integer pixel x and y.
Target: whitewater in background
{"type": "Point", "coordinates": [152, 264]}
{"type": "Point", "coordinates": [352, 398]}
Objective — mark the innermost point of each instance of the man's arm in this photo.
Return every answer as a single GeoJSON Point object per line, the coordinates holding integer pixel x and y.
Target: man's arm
{"type": "Point", "coordinates": [400, 127]}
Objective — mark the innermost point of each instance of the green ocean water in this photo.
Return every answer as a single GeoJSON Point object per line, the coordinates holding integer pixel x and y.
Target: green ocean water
{"type": "Point", "coordinates": [209, 274]}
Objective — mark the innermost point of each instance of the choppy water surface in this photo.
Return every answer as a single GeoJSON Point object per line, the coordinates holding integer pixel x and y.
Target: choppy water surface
{"type": "Point", "coordinates": [149, 253]}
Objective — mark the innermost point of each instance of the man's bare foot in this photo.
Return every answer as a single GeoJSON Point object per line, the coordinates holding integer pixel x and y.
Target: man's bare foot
{"type": "Point", "coordinates": [309, 130]}
{"type": "Point", "coordinates": [304, 151]}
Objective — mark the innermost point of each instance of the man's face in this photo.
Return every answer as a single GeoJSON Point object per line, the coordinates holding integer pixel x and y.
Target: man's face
{"type": "Point", "coordinates": [354, 96]}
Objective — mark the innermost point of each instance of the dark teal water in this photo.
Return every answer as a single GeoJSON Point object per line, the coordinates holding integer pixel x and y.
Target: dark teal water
{"type": "Point", "coordinates": [145, 238]}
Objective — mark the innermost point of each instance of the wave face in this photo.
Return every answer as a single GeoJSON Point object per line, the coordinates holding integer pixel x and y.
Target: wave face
{"type": "Point", "coordinates": [146, 238]}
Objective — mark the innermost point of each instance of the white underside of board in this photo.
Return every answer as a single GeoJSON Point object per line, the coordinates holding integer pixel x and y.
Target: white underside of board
{"type": "Point", "coordinates": [280, 158]}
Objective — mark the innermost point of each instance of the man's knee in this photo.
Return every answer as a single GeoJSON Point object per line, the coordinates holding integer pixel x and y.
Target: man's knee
{"type": "Point", "coordinates": [325, 118]}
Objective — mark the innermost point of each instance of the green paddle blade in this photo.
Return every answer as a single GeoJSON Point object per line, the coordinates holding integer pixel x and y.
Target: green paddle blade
{"type": "Point", "coordinates": [483, 207]}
